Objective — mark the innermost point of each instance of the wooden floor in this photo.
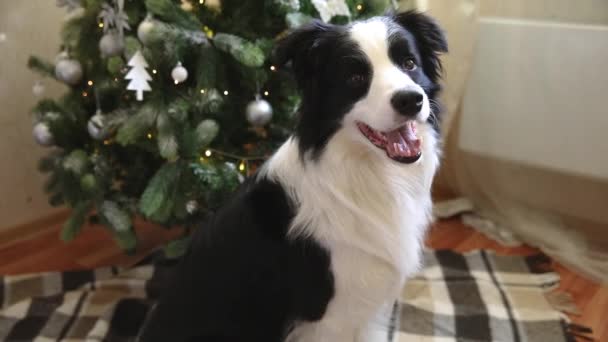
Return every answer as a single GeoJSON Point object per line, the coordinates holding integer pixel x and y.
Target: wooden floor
{"type": "Point", "coordinates": [94, 248]}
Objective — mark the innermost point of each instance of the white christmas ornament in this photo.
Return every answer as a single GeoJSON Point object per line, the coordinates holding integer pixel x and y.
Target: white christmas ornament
{"type": "Point", "coordinates": [68, 70]}
{"type": "Point", "coordinates": [331, 8]}
{"type": "Point", "coordinates": [179, 73]}
{"type": "Point", "coordinates": [192, 206]}
{"type": "Point", "coordinates": [138, 76]}
{"type": "Point", "coordinates": [42, 134]}
{"type": "Point", "coordinates": [144, 29]}
{"type": "Point", "coordinates": [114, 17]}
{"type": "Point", "coordinates": [96, 127]}
{"type": "Point", "coordinates": [111, 44]}
{"type": "Point", "coordinates": [38, 89]}
{"type": "Point", "coordinates": [259, 112]}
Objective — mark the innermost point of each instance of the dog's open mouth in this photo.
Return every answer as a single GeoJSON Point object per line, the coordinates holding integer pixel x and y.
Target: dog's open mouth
{"type": "Point", "coordinates": [402, 144]}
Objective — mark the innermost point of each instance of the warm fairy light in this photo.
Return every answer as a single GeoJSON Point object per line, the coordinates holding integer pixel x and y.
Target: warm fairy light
{"type": "Point", "coordinates": [106, 142]}
{"type": "Point", "coordinates": [100, 25]}
{"type": "Point", "coordinates": [201, 159]}
{"type": "Point", "coordinates": [273, 68]}
{"type": "Point", "coordinates": [115, 79]}
{"type": "Point", "coordinates": [208, 31]}
{"type": "Point", "coordinates": [242, 167]}
{"type": "Point", "coordinates": [154, 71]}
{"type": "Point", "coordinates": [202, 91]}
{"type": "Point", "coordinates": [266, 93]}
{"type": "Point", "coordinates": [201, 1]}
{"type": "Point", "coordinates": [226, 92]}
{"type": "Point", "coordinates": [90, 83]}
{"type": "Point", "coordinates": [149, 135]}
{"type": "Point", "coordinates": [176, 81]}
{"type": "Point", "coordinates": [359, 7]}
{"type": "Point", "coordinates": [208, 153]}
{"type": "Point", "coordinates": [85, 94]}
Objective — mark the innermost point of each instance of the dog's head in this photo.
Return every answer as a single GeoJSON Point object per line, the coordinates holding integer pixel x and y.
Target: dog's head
{"type": "Point", "coordinates": [376, 78]}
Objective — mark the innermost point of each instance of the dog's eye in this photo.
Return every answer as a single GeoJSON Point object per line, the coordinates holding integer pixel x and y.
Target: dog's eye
{"type": "Point", "coordinates": [410, 64]}
{"type": "Point", "coordinates": [356, 80]}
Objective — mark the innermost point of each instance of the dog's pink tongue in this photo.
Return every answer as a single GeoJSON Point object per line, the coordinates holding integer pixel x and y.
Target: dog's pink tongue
{"type": "Point", "coordinates": [403, 142]}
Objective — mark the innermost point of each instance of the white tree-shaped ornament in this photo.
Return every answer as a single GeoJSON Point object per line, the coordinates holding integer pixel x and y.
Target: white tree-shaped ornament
{"type": "Point", "coordinates": [138, 76]}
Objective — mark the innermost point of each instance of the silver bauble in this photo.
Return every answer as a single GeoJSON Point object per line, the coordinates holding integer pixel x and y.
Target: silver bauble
{"type": "Point", "coordinates": [144, 29]}
{"type": "Point", "coordinates": [192, 207]}
{"type": "Point", "coordinates": [259, 112]}
{"type": "Point", "coordinates": [68, 71]}
{"type": "Point", "coordinates": [96, 127]}
{"type": "Point", "coordinates": [42, 134]}
{"type": "Point", "coordinates": [179, 73]}
{"type": "Point", "coordinates": [111, 44]}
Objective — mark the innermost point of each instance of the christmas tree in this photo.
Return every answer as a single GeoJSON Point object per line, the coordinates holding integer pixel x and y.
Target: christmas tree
{"type": "Point", "coordinates": [170, 104]}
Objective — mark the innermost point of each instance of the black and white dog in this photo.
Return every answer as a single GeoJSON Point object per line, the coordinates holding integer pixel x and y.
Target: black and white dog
{"type": "Point", "coordinates": [317, 246]}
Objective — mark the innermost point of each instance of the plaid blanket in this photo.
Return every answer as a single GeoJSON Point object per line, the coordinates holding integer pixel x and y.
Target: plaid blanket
{"type": "Point", "coordinates": [473, 297]}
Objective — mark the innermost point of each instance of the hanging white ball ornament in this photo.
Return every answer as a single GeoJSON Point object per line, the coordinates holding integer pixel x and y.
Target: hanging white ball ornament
{"type": "Point", "coordinates": [68, 71]}
{"type": "Point", "coordinates": [111, 44]}
{"type": "Point", "coordinates": [96, 127]}
{"type": "Point", "coordinates": [179, 73]}
{"type": "Point", "coordinates": [259, 112]}
{"type": "Point", "coordinates": [192, 207]}
{"type": "Point", "coordinates": [144, 29]}
{"type": "Point", "coordinates": [42, 134]}
{"type": "Point", "coordinates": [38, 89]}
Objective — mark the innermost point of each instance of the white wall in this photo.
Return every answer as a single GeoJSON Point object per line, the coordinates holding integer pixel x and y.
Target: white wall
{"type": "Point", "coordinates": [537, 95]}
{"type": "Point", "coordinates": [31, 27]}
{"type": "Point", "coordinates": [574, 11]}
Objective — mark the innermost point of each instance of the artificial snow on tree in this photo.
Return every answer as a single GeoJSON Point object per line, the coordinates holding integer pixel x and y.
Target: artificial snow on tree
{"type": "Point", "coordinates": [138, 76]}
{"type": "Point", "coordinates": [176, 155]}
{"type": "Point", "coordinates": [331, 8]}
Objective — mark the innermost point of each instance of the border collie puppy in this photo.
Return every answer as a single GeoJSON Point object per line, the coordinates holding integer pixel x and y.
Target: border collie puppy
{"type": "Point", "coordinates": [317, 246]}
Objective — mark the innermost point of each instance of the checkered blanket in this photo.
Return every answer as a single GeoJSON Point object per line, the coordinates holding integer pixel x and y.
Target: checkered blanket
{"type": "Point", "coordinates": [474, 297]}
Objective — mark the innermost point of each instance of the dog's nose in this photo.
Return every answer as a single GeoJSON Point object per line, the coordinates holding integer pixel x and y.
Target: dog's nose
{"type": "Point", "coordinates": [407, 102]}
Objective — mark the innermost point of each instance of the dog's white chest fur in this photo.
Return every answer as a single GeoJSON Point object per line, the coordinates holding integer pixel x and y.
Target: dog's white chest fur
{"type": "Point", "coordinates": [370, 213]}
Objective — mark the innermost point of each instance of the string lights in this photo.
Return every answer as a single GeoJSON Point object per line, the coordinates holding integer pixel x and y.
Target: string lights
{"type": "Point", "coordinates": [243, 161]}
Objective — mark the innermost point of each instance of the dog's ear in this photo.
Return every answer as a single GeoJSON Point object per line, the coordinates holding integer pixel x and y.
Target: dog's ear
{"type": "Point", "coordinates": [301, 49]}
{"type": "Point", "coordinates": [430, 39]}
